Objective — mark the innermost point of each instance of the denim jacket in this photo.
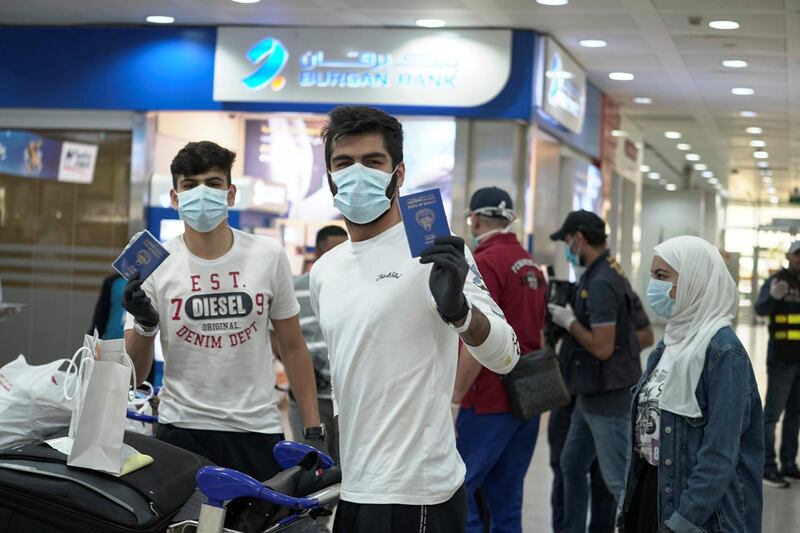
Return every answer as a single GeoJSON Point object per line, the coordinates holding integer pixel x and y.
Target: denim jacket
{"type": "Point", "coordinates": [710, 469]}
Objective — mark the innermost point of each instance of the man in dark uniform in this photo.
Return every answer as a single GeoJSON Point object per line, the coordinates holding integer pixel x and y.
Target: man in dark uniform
{"type": "Point", "coordinates": [603, 504]}
{"type": "Point", "coordinates": [780, 300]}
{"type": "Point", "coordinates": [600, 361]}
{"type": "Point", "coordinates": [495, 446]}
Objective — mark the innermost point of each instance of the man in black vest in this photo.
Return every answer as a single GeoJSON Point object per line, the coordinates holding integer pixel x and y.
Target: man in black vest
{"type": "Point", "coordinates": [780, 300]}
{"type": "Point", "coordinates": [600, 362]}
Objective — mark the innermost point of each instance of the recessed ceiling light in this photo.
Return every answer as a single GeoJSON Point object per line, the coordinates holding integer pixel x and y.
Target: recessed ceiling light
{"type": "Point", "coordinates": [723, 25]}
{"type": "Point", "coordinates": [707, 174]}
{"type": "Point", "coordinates": [593, 43]}
{"type": "Point", "coordinates": [692, 157]}
{"type": "Point", "coordinates": [771, 190]}
{"type": "Point", "coordinates": [761, 154]}
{"type": "Point", "coordinates": [558, 75]}
{"type": "Point", "coordinates": [671, 187]}
{"type": "Point", "coordinates": [734, 63]}
{"type": "Point", "coordinates": [773, 200]}
{"type": "Point", "coordinates": [684, 147]}
{"type": "Point", "coordinates": [644, 168]}
{"type": "Point", "coordinates": [672, 134]}
{"type": "Point", "coordinates": [757, 143]}
{"type": "Point", "coordinates": [700, 166]}
{"type": "Point", "coordinates": [552, 2]}
{"type": "Point", "coordinates": [742, 91]}
{"type": "Point", "coordinates": [160, 19]}
{"type": "Point", "coordinates": [654, 176]}
{"type": "Point", "coordinates": [748, 114]}
{"type": "Point", "coordinates": [621, 76]}
{"type": "Point", "coordinates": [754, 130]}
{"type": "Point", "coordinates": [430, 23]}
{"type": "Point", "coordinates": [713, 181]}
{"type": "Point", "coordinates": [643, 100]}
{"type": "Point", "coordinates": [619, 133]}
{"type": "Point", "coordinates": [762, 164]}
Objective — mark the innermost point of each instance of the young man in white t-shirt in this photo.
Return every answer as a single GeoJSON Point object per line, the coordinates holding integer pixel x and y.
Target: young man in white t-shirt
{"type": "Point", "coordinates": [392, 325]}
{"type": "Point", "coordinates": [212, 299]}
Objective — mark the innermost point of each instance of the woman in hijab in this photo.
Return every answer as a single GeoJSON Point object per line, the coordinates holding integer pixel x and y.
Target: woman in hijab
{"type": "Point", "coordinates": [696, 453]}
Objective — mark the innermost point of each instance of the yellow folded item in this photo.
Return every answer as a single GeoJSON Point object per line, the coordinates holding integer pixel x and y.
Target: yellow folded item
{"type": "Point", "coordinates": [135, 462]}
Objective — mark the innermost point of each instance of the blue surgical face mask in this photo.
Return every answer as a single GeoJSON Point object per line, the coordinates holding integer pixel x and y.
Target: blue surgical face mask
{"type": "Point", "coordinates": [572, 257]}
{"type": "Point", "coordinates": [361, 192]}
{"type": "Point", "coordinates": [658, 297]}
{"type": "Point", "coordinates": [203, 208]}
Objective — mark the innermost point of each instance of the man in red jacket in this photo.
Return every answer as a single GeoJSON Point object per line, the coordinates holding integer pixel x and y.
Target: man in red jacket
{"type": "Point", "coordinates": [496, 447]}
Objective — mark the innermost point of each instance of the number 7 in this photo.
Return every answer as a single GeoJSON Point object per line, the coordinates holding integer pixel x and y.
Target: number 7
{"type": "Point", "coordinates": [178, 303]}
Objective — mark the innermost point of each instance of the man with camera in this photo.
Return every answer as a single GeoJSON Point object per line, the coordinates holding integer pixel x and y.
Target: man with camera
{"type": "Point", "coordinates": [600, 362]}
{"type": "Point", "coordinates": [496, 446]}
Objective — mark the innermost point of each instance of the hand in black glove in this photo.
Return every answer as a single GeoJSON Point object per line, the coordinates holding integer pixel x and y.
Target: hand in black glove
{"type": "Point", "coordinates": [447, 277]}
{"type": "Point", "coordinates": [136, 302]}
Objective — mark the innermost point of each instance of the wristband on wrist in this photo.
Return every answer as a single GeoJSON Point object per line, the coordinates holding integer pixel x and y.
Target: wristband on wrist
{"type": "Point", "coordinates": [145, 331]}
{"type": "Point", "coordinates": [467, 320]}
{"type": "Point", "coordinates": [314, 433]}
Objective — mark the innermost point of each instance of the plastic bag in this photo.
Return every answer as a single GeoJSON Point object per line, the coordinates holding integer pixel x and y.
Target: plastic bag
{"type": "Point", "coordinates": [32, 401]}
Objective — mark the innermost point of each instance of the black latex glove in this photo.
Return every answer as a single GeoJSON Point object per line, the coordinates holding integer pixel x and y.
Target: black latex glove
{"type": "Point", "coordinates": [447, 277]}
{"type": "Point", "coordinates": [664, 529]}
{"type": "Point", "coordinates": [136, 302]}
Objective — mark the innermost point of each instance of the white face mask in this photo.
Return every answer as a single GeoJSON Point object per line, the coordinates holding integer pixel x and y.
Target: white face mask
{"type": "Point", "coordinates": [203, 208]}
{"type": "Point", "coordinates": [361, 192]}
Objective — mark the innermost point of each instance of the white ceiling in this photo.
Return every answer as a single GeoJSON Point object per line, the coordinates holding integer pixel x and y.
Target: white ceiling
{"type": "Point", "coordinates": [676, 63]}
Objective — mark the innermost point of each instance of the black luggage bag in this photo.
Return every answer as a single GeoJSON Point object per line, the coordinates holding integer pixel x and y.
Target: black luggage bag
{"type": "Point", "coordinates": [39, 493]}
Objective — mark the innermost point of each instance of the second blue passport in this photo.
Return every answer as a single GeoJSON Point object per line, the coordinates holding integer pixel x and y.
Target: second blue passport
{"type": "Point", "coordinates": [142, 257]}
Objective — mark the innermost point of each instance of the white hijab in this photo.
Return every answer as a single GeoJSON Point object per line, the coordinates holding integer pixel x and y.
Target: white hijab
{"type": "Point", "coordinates": [706, 301]}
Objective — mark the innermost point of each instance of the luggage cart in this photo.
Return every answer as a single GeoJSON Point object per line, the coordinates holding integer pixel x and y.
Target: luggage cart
{"type": "Point", "coordinates": [224, 487]}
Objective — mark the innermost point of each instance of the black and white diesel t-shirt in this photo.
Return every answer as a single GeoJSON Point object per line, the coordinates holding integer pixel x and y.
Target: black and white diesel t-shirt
{"type": "Point", "coordinates": [214, 317]}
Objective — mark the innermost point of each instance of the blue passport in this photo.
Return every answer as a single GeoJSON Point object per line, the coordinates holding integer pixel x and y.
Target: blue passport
{"type": "Point", "coordinates": [143, 256]}
{"type": "Point", "coordinates": [424, 219]}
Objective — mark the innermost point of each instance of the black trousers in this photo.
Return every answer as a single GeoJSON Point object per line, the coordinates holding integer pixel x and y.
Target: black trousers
{"type": "Point", "coordinates": [447, 517]}
{"type": "Point", "coordinates": [250, 453]}
{"type": "Point", "coordinates": [643, 514]}
{"type": "Point", "coordinates": [604, 506]}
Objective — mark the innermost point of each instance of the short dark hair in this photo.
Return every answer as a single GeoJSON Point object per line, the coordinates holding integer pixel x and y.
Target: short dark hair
{"type": "Point", "coordinates": [199, 157]}
{"type": "Point", "coordinates": [594, 238]}
{"type": "Point", "coordinates": [352, 120]}
{"type": "Point", "coordinates": [329, 231]}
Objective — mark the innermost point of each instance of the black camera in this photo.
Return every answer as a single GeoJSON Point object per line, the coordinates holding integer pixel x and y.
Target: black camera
{"type": "Point", "coordinates": [562, 293]}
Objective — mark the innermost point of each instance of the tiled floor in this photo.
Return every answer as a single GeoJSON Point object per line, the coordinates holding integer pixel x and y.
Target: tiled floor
{"type": "Point", "coordinates": [781, 506]}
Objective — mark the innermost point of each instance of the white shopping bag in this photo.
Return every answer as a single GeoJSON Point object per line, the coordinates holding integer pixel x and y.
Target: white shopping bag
{"type": "Point", "coordinates": [100, 399]}
{"type": "Point", "coordinates": [32, 402]}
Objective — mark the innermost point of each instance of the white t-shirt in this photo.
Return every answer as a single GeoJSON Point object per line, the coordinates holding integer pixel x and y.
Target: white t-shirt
{"type": "Point", "coordinates": [648, 414]}
{"type": "Point", "coordinates": [214, 318]}
{"type": "Point", "coordinates": [393, 366]}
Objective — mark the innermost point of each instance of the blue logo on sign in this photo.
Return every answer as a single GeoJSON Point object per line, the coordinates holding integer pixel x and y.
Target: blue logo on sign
{"type": "Point", "coordinates": [272, 57]}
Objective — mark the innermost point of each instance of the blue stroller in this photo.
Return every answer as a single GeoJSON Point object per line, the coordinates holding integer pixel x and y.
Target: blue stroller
{"type": "Point", "coordinates": [228, 501]}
